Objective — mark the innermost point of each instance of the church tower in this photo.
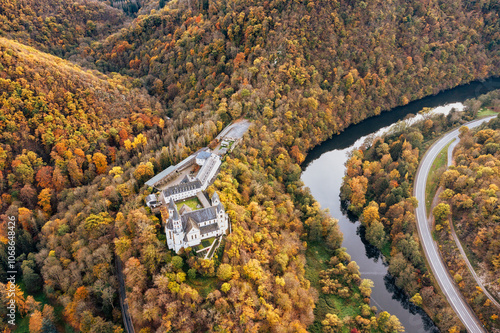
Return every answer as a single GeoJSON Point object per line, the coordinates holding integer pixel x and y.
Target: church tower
{"type": "Point", "coordinates": [175, 217]}
{"type": "Point", "coordinates": [171, 208]}
{"type": "Point", "coordinates": [220, 211]}
{"type": "Point", "coordinates": [215, 199]}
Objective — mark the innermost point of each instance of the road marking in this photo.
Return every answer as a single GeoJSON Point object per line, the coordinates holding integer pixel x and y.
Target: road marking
{"type": "Point", "coordinates": [431, 252]}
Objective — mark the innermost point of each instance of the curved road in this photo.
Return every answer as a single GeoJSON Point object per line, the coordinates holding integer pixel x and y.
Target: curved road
{"type": "Point", "coordinates": [459, 244]}
{"type": "Point", "coordinates": [438, 268]}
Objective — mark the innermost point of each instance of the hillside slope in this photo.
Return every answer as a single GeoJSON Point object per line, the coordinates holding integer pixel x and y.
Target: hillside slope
{"type": "Point", "coordinates": [58, 26]}
{"type": "Point", "coordinates": [60, 128]}
{"type": "Point", "coordinates": [471, 189]}
{"type": "Point", "coordinates": [362, 58]}
{"type": "Point", "coordinates": [301, 70]}
{"type": "Point", "coordinates": [54, 115]}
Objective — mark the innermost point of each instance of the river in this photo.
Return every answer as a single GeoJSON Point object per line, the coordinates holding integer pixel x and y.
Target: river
{"type": "Point", "coordinates": [323, 171]}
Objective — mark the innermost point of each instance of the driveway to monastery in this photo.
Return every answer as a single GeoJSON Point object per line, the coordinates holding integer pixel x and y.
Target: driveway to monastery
{"type": "Point", "coordinates": [430, 247]}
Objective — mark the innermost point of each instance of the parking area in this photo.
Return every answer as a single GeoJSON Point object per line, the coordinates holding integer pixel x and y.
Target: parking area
{"type": "Point", "coordinates": [234, 131]}
{"type": "Point", "coordinates": [229, 137]}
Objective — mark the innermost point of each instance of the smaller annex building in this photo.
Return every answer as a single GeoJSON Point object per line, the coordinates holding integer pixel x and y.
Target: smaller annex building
{"type": "Point", "coordinates": [187, 228]}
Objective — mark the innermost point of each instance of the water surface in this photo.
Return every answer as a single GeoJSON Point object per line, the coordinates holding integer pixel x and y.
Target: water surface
{"type": "Point", "coordinates": [323, 171]}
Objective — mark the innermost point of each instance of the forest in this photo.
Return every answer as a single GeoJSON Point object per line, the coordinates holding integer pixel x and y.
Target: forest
{"type": "Point", "coordinates": [123, 96]}
{"type": "Point", "coordinates": [468, 203]}
{"type": "Point", "coordinates": [58, 26]}
{"type": "Point", "coordinates": [378, 187]}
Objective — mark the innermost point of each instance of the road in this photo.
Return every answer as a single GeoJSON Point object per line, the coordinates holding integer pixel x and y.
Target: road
{"type": "Point", "coordinates": [459, 245]}
{"type": "Point", "coordinates": [431, 251]}
{"type": "Point", "coordinates": [127, 321]}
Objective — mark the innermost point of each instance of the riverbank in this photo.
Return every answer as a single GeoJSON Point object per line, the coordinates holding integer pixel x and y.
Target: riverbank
{"type": "Point", "coordinates": [329, 158]}
{"type": "Point", "coordinates": [399, 160]}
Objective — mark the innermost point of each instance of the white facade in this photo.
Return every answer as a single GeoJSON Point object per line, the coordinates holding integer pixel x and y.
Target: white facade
{"type": "Point", "coordinates": [202, 156]}
{"type": "Point", "coordinates": [190, 228]}
{"type": "Point", "coordinates": [210, 164]}
{"type": "Point", "coordinates": [179, 196]}
{"type": "Point", "coordinates": [209, 170]}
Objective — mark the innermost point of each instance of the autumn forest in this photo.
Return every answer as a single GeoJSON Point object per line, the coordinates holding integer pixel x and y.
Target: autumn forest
{"type": "Point", "coordinates": [97, 97]}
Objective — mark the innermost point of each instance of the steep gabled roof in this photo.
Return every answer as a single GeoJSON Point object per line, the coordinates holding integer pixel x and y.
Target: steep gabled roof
{"type": "Point", "coordinates": [191, 224]}
{"type": "Point", "coordinates": [200, 215]}
{"type": "Point", "coordinates": [215, 197]}
{"type": "Point", "coordinates": [180, 188]}
{"type": "Point", "coordinates": [171, 205]}
{"type": "Point", "coordinates": [185, 209]}
{"type": "Point", "coordinates": [170, 225]}
{"type": "Point", "coordinates": [175, 216]}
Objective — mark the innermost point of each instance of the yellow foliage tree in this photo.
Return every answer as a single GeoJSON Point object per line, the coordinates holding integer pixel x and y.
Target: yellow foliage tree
{"type": "Point", "coordinates": [36, 322]}
{"type": "Point", "coordinates": [101, 164]}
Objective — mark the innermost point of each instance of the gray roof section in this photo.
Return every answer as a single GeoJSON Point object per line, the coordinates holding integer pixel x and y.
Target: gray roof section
{"type": "Point", "coordinates": [171, 205]}
{"type": "Point", "coordinates": [175, 216]}
{"type": "Point", "coordinates": [185, 180]}
{"type": "Point", "coordinates": [203, 155]}
{"type": "Point", "coordinates": [207, 168]}
{"type": "Point", "coordinates": [200, 215]}
{"type": "Point", "coordinates": [170, 225]}
{"type": "Point", "coordinates": [185, 209]}
{"type": "Point", "coordinates": [152, 182]}
{"type": "Point", "coordinates": [190, 224]}
{"type": "Point", "coordinates": [209, 228]}
{"type": "Point", "coordinates": [215, 197]}
{"type": "Point", "coordinates": [151, 198]}
{"type": "Point", "coordinates": [183, 163]}
{"type": "Point", "coordinates": [180, 188]}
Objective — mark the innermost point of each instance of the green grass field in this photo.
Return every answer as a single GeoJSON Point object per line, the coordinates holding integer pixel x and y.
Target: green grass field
{"type": "Point", "coordinates": [192, 203]}
{"type": "Point", "coordinates": [485, 112]}
{"type": "Point", "coordinates": [438, 167]}
{"type": "Point", "coordinates": [207, 242]}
